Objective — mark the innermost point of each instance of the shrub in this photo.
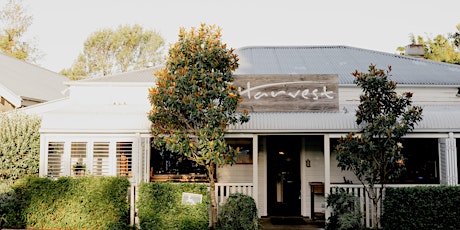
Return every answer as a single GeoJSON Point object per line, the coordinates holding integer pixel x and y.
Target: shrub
{"type": "Point", "coordinates": [8, 207]}
{"type": "Point", "coordinates": [160, 206]}
{"type": "Point", "coordinates": [345, 214]}
{"type": "Point", "coordinates": [429, 207]}
{"type": "Point", "coordinates": [239, 212]}
{"type": "Point", "coordinates": [73, 203]}
{"type": "Point", "coordinates": [19, 146]}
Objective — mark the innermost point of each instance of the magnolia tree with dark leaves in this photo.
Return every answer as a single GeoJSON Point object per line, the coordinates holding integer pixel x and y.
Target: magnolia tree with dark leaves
{"type": "Point", "coordinates": [194, 101]}
{"type": "Point", "coordinates": [384, 117]}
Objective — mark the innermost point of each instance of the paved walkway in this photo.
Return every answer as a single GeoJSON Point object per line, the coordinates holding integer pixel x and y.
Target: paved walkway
{"type": "Point", "coordinates": [266, 224]}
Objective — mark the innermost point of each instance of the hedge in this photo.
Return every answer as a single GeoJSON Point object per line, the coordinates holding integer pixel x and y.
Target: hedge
{"type": "Point", "coordinates": [19, 146]}
{"type": "Point", "coordinates": [160, 206]}
{"type": "Point", "coordinates": [430, 207]}
{"type": "Point", "coordinates": [239, 212]}
{"type": "Point", "coordinates": [71, 203]}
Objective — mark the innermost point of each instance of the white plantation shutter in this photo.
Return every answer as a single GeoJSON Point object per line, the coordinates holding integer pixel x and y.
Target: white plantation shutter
{"type": "Point", "coordinates": [101, 160]}
{"type": "Point", "coordinates": [78, 158]}
{"type": "Point", "coordinates": [55, 164]}
{"type": "Point", "coordinates": [124, 152]}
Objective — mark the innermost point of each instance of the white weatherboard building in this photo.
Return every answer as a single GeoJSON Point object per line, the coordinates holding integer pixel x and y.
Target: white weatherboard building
{"type": "Point", "coordinates": [23, 84]}
{"type": "Point", "coordinates": [301, 100]}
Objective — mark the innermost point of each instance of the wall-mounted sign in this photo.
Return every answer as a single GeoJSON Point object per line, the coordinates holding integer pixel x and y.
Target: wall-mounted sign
{"type": "Point", "coordinates": [191, 198]}
{"type": "Point", "coordinates": [288, 93]}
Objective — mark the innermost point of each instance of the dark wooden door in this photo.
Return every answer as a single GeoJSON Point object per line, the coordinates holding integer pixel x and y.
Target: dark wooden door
{"type": "Point", "coordinates": [283, 175]}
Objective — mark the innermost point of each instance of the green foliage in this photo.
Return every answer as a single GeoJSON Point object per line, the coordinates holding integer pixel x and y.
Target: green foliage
{"type": "Point", "coordinates": [9, 211]}
{"type": "Point", "coordinates": [109, 51]}
{"type": "Point", "coordinates": [194, 101]}
{"type": "Point", "coordinates": [14, 22]}
{"type": "Point", "coordinates": [346, 214]}
{"type": "Point", "coordinates": [422, 208]}
{"type": "Point", "coordinates": [68, 203]}
{"type": "Point", "coordinates": [19, 146]}
{"type": "Point", "coordinates": [160, 206]}
{"type": "Point", "coordinates": [384, 117]}
{"type": "Point", "coordinates": [442, 48]}
{"type": "Point", "coordinates": [374, 155]}
{"type": "Point", "coordinates": [239, 212]}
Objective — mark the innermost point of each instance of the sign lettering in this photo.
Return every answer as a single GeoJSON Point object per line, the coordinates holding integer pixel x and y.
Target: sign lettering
{"type": "Point", "coordinates": [288, 93]}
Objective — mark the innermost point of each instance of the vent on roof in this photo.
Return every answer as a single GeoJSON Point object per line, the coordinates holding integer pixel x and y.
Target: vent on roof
{"type": "Point", "coordinates": [415, 50]}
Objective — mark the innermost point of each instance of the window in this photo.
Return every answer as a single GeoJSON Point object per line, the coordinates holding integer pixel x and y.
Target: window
{"type": "Point", "coordinates": [55, 153]}
{"type": "Point", "coordinates": [90, 156]}
{"type": "Point", "coordinates": [245, 147]}
{"type": "Point", "coordinates": [124, 158]}
{"type": "Point", "coordinates": [101, 160]}
{"type": "Point", "coordinates": [78, 158]}
{"type": "Point", "coordinates": [168, 166]}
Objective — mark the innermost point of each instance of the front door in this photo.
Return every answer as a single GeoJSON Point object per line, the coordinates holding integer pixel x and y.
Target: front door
{"type": "Point", "coordinates": [283, 172]}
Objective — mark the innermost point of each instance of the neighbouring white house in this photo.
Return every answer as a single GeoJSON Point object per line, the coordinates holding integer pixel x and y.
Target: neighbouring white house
{"type": "Point", "coordinates": [301, 100]}
{"type": "Point", "coordinates": [23, 84]}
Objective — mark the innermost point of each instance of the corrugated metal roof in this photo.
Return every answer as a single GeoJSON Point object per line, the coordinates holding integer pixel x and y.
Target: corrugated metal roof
{"type": "Point", "coordinates": [143, 75]}
{"type": "Point", "coordinates": [442, 118]}
{"type": "Point", "coordinates": [30, 81]}
{"type": "Point", "coordinates": [344, 60]}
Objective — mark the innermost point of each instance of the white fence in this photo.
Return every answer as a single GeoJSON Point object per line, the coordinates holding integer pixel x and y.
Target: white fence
{"type": "Point", "coordinates": [365, 203]}
{"type": "Point", "coordinates": [223, 191]}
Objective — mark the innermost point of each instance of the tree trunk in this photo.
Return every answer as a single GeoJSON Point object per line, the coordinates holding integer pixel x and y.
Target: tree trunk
{"type": "Point", "coordinates": [372, 194]}
{"type": "Point", "coordinates": [375, 216]}
{"type": "Point", "coordinates": [212, 185]}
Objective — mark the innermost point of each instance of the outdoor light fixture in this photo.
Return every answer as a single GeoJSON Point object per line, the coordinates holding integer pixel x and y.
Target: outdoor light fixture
{"type": "Point", "coordinates": [281, 153]}
{"type": "Point", "coordinates": [308, 163]}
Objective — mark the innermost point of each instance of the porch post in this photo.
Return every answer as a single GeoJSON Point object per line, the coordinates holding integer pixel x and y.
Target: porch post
{"type": "Point", "coordinates": [255, 170]}
{"type": "Point", "coordinates": [327, 171]}
{"type": "Point", "coordinates": [451, 151]}
{"type": "Point", "coordinates": [43, 164]}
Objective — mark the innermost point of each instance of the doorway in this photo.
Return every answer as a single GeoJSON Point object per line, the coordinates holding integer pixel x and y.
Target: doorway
{"type": "Point", "coordinates": [283, 175]}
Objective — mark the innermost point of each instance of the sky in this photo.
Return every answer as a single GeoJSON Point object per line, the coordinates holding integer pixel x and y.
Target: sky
{"type": "Point", "coordinates": [60, 27]}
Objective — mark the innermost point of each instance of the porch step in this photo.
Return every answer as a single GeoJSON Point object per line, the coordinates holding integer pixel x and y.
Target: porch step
{"type": "Point", "coordinates": [290, 223]}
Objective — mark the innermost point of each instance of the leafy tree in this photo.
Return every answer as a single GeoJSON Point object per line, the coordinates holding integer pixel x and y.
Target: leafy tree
{"type": "Point", "coordinates": [442, 48]}
{"type": "Point", "coordinates": [109, 51]}
{"type": "Point", "coordinates": [14, 22]}
{"type": "Point", "coordinates": [195, 101]}
{"type": "Point", "coordinates": [456, 36]}
{"type": "Point", "coordinates": [19, 146]}
{"type": "Point", "coordinates": [384, 117]}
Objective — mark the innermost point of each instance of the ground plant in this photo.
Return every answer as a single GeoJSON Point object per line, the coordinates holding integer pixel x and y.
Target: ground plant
{"type": "Point", "coordinates": [70, 203]}
{"type": "Point", "coordinates": [19, 146]}
{"type": "Point", "coordinates": [238, 212]}
{"type": "Point", "coordinates": [160, 206]}
{"type": "Point", "coordinates": [422, 207]}
{"type": "Point", "coordinates": [346, 214]}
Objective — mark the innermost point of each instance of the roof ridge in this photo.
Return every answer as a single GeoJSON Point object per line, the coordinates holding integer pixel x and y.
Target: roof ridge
{"type": "Point", "coordinates": [118, 74]}
{"type": "Point", "coordinates": [349, 47]}
{"type": "Point", "coordinates": [31, 64]}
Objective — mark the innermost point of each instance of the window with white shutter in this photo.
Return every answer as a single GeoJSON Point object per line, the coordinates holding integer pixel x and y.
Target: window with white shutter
{"type": "Point", "coordinates": [78, 158]}
{"type": "Point", "coordinates": [101, 160]}
{"type": "Point", "coordinates": [124, 158]}
{"type": "Point", "coordinates": [55, 164]}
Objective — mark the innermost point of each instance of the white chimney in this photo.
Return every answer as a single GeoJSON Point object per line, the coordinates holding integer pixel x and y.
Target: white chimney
{"type": "Point", "coordinates": [415, 50]}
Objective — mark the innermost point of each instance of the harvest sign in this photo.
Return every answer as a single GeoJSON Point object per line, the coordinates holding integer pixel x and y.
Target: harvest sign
{"type": "Point", "coordinates": [288, 93]}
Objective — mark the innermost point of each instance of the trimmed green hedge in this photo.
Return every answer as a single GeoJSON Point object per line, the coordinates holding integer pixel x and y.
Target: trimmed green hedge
{"type": "Point", "coordinates": [239, 212]}
{"type": "Point", "coordinates": [422, 208]}
{"type": "Point", "coordinates": [70, 203]}
{"type": "Point", "coordinates": [160, 206]}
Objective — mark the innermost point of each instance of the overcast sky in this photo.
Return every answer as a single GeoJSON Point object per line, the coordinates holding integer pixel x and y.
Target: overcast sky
{"type": "Point", "coordinates": [61, 26]}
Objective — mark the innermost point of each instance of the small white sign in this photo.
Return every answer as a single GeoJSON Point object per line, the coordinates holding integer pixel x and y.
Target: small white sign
{"type": "Point", "coordinates": [191, 198]}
